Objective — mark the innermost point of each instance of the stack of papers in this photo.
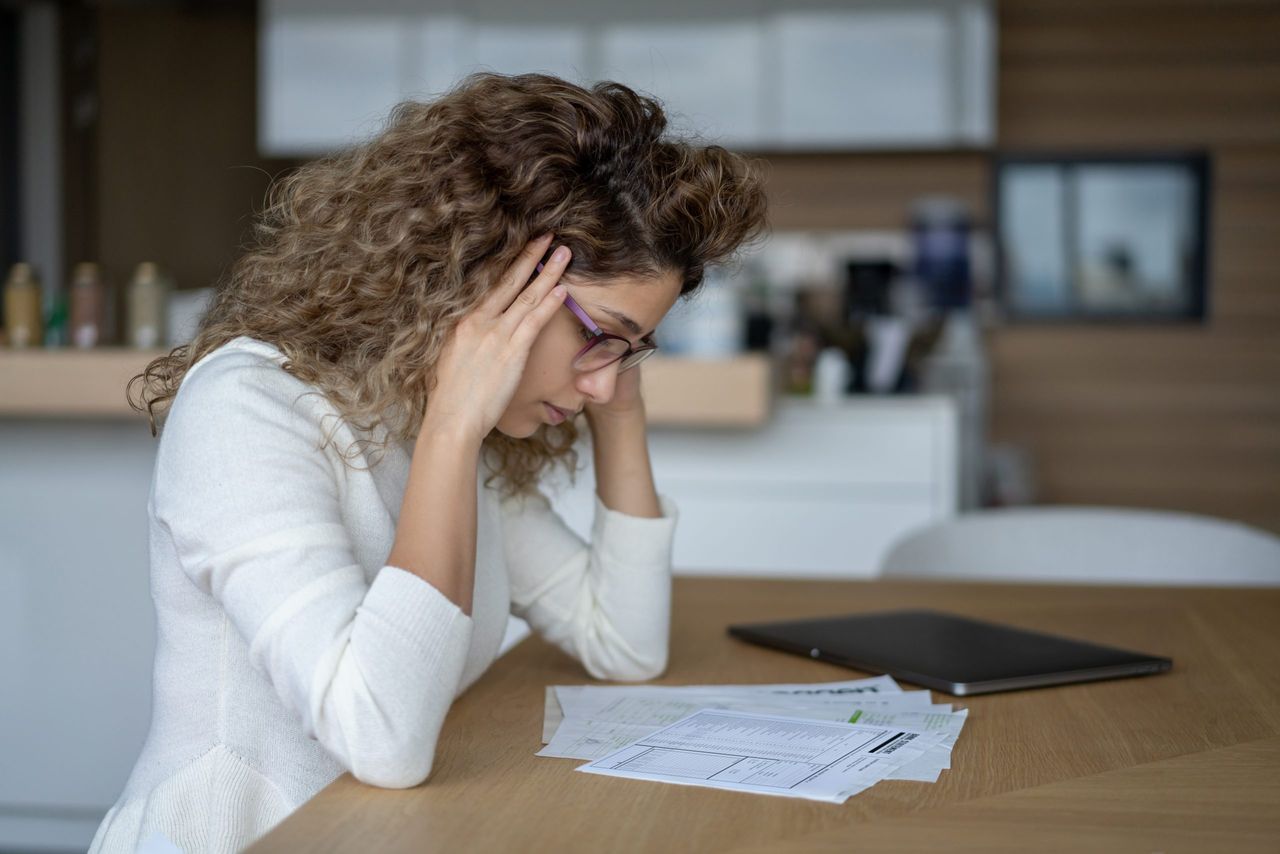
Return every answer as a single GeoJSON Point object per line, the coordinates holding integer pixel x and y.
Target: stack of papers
{"type": "Point", "coordinates": [822, 741]}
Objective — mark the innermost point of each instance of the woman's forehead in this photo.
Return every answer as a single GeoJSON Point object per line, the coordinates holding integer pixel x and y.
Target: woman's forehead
{"type": "Point", "coordinates": [624, 286]}
{"type": "Point", "coordinates": [642, 299]}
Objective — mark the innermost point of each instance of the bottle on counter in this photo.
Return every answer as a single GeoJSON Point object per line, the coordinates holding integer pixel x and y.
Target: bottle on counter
{"type": "Point", "coordinates": [148, 295]}
{"type": "Point", "coordinates": [713, 327]}
{"type": "Point", "coordinates": [831, 375]}
{"type": "Point", "coordinates": [958, 367]}
{"type": "Point", "coordinates": [88, 306]}
{"type": "Point", "coordinates": [23, 323]}
{"type": "Point", "coordinates": [758, 334]}
{"type": "Point", "coordinates": [55, 326]}
{"type": "Point", "coordinates": [804, 342]}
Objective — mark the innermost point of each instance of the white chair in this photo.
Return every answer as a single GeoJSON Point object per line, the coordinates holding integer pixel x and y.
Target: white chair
{"type": "Point", "coordinates": [1093, 545]}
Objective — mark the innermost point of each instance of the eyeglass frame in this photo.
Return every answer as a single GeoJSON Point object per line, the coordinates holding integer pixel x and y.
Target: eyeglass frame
{"type": "Point", "coordinates": [599, 335]}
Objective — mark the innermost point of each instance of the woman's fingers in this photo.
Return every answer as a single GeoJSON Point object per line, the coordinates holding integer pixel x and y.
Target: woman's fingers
{"type": "Point", "coordinates": [533, 295]}
{"type": "Point", "coordinates": [515, 277]}
{"type": "Point", "coordinates": [538, 316]}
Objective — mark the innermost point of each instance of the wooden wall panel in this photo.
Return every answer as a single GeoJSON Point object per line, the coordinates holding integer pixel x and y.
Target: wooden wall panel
{"type": "Point", "coordinates": [1186, 417]}
{"type": "Point", "coordinates": [821, 191]}
{"type": "Point", "coordinates": [179, 173]}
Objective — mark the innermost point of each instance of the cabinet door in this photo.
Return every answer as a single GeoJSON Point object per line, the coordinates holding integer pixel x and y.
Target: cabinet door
{"type": "Point", "coordinates": [914, 74]}
{"type": "Point", "coordinates": [767, 532]}
{"type": "Point", "coordinates": [817, 491]}
{"type": "Point", "coordinates": [863, 77]}
{"type": "Point", "coordinates": [76, 624]}
{"type": "Point", "coordinates": [902, 75]}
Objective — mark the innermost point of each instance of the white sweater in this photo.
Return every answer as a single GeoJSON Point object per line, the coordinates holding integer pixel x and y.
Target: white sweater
{"type": "Point", "coordinates": [288, 652]}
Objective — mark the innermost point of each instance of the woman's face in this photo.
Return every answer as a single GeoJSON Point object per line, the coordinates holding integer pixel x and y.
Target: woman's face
{"type": "Point", "coordinates": [549, 376]}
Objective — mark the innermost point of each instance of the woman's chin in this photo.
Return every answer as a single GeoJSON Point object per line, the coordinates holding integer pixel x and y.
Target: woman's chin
{"type": "Point", "coordinates": [517, 428]}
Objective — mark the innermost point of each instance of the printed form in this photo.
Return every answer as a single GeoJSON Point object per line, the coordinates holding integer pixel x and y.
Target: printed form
{"type": "Point", "coordinates": [768, 754]}
{"type": "Point", "coordinates": [589, 721]}
{"type": "Point", "coordinates": [590, 732]}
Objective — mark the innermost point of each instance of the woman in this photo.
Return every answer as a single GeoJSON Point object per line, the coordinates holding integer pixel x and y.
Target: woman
{"type": "Point", "coordinates": [345, 507]}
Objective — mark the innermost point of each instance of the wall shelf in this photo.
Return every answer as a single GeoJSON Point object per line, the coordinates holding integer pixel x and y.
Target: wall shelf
{"type": "Point", "coordinates": [91, 384]}
{"type": "Point", "coordinates": [69, 383]}
{"type": "Point", "coordinates": [731, 392]}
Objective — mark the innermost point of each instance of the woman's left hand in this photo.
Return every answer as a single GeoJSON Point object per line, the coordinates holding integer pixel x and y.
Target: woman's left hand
{"type": "Point", "coordinates": [626, 401]}
{"type": "Point", "coordinates": [620, 451]}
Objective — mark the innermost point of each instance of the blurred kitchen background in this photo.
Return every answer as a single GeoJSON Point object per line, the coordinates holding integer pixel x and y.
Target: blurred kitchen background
{"type": "Point", "coordinates": [1023, 254]}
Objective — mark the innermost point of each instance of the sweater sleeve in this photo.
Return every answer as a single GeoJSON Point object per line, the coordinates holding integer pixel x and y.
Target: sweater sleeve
{"type": "Point", "coordinates": [606, 603]}
{"type": "Point", "coordinates": [251, 501]}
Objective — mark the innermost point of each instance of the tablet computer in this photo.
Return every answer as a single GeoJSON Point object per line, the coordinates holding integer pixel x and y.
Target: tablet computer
{"type": "Point", "coordinates": [958, 655]}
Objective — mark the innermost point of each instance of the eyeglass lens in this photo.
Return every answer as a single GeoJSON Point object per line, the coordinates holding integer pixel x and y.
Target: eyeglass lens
{"type": "Point", "coordinates": [606, 352]}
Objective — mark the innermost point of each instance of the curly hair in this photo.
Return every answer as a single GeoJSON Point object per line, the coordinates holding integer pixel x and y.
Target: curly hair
{"type": "Point", "coordinates": [362, 263]}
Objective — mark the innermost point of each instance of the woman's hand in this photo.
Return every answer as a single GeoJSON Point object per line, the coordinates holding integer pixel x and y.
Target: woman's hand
{"type": "Point", "coordinates": [626, 401]}
{"type": "Point", "coordinates": [484, 358]}
{"type": "Point", "coordinates": [624, 478]}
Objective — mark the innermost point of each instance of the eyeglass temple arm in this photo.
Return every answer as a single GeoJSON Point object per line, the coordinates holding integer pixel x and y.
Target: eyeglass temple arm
{"type": "Point", "coordinates": [575, 308]}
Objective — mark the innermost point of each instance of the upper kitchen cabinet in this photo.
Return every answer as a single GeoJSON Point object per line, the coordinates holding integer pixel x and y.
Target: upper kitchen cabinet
{"type": "Point", "coordinates": [764, 75]}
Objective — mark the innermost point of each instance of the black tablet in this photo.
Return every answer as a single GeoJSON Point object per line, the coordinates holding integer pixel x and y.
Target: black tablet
{"type": "Point", "coordinates": [954, 654]}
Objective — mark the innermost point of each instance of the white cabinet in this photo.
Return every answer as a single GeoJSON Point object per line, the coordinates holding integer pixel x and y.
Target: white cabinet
{"type": "Point", "coordinates": [77, 629]}
{"type": "Point", "coordinates": [819, 491]}
{"type": "Point", "coordinates": [764, 75]}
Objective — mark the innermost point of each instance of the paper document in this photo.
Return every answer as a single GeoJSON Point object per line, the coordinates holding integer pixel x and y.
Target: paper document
{"type": "Point", "coordinates": [929, 767]}
{"type": "Point", "coordinates": [595, 722]}
{"type": "Point", "coordinates": [767, 754]}
{"type": "Point", "coordinates": [592, 728]}
{"type": "Point", "coordinates": [667, 704]}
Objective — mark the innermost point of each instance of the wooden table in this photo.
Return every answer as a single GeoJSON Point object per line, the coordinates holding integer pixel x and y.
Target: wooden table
{"type": "Point", "coordinates": [1183, 761]}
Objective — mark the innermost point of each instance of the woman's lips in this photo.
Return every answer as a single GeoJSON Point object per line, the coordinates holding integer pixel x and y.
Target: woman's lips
{"type": "Point", "coordinates": [556, 415]}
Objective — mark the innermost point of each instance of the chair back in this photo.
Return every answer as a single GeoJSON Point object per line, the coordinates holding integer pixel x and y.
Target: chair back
{"type": "Point", "coordinates": [1094, 545]}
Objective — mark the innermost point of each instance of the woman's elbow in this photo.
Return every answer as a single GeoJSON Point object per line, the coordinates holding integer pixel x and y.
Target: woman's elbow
{"type": "Point", "coordinates": [638, 675]}
{"type": "Point", "coordinates": [403, 770]}
{"type": "Point", "coordinates": [628, 668]}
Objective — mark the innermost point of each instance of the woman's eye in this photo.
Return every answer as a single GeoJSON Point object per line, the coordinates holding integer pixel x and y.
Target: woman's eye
{"type": "Point", "coordinates": [586, 333]}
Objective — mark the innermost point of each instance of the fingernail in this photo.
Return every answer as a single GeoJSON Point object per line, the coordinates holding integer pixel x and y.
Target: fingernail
{"type": "Point", "coordinates": [558, 290]}
{"type": "Point", "coordinates": [560, 254]}
{"type": "Point", "coordinates": [544, 238]}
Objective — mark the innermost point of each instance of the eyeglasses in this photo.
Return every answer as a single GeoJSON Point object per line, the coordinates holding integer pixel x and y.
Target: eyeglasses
{"type": "Point", "coordinates": [605, 348]}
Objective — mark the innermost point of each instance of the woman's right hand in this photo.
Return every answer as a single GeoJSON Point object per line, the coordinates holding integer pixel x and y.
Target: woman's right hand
{"type": "Point", "coordinates": [484, 357]}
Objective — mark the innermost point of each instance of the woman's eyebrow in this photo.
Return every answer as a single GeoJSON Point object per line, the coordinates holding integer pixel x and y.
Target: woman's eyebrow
{"type": "Point", "coordinates": [631, 325]}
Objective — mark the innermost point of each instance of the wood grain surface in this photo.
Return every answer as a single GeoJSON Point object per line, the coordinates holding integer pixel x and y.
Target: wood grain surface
{"type": "Point", "coordinates": [1122, 764]}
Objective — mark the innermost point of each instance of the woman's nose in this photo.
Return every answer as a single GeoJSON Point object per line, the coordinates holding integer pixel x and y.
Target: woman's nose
{"type": "Point", "coordinates": [598, 385]}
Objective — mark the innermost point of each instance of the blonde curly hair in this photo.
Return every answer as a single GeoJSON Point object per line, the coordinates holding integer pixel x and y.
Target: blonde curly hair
{"type": "Point", "coordinates": [362, 262]}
